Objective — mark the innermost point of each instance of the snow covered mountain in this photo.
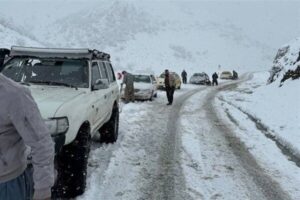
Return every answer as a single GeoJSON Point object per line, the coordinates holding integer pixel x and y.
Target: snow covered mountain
{"type": "Point", "coordinates": [13, 35]}
{"type": "Point", "coordinates": [154, 35]}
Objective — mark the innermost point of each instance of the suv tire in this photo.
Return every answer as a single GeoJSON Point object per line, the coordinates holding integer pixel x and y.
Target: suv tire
{"type": "Point", "coordinates": [109, 131]}
{"type": "Point", "coordinates": [71, 166]}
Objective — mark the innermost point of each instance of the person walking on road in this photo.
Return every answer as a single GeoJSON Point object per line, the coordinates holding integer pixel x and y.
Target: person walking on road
{"type": "Point", "coordinates": [234, 75]}
{"type": "Point", "coordinates": [21, 128]}
{"type": "Point", "coordinates": [128, 80]}
{"type": "Point", "coordinates": [215, 79]}
{"type": "Point", "coordinates": [184, 76]}
{"type": "Point", "coordinates": [170, 86]}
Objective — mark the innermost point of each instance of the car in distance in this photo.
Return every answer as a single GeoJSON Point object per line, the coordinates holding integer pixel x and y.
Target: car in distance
{"type": "Point", "coordinates": [161, 80]}
{"type": "Point", "coordinates": [200, 78]}
{"type": "Point", "coordinates": [78, 97]}
{"type": "Point", "coordinates": [226, 75]}
{"type": "Point", "coordinates": [145, 87]}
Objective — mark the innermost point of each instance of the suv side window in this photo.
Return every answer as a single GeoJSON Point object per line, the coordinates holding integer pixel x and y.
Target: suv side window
{"type": "Point", "coordinates": [110, 71]}
{"type": "Point", "coordinates": [95, 73]}
{"type": "Point", "coordinates": [103, 71]}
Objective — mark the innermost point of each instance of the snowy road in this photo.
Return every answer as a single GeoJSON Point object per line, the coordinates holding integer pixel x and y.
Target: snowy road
{"type": "Point", "coordinates": [183, 151]}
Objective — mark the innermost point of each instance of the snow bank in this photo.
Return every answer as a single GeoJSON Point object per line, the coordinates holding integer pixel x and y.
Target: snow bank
{"type": "Point", "coordinates": [277, 108]}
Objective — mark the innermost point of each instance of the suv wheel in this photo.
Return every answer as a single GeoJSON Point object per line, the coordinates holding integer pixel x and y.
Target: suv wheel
{"type": "Point", "coordinates": [109, 131]}
{"type": "Point", "coordinates": [71, 165]}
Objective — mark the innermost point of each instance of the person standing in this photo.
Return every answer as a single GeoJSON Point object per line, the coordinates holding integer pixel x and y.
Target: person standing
{"type": "Point", "coordinates": [128, 80]}
{"type": "Point", "coordinates": [170, 86]}
{"type": "Point", "coordinates": [184, 76]}
{"type": "Point", "coordinates": [21, 128]}
{"type": "Point", "coordinates": [234, 75]}
{"type": "Point", "coordinates": [3, 54]}
{"type": "Point", "coordinates": [215, 79]}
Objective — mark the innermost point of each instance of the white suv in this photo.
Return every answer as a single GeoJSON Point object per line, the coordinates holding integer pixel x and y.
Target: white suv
{"type": "Point", "coordinates": [78, 96]}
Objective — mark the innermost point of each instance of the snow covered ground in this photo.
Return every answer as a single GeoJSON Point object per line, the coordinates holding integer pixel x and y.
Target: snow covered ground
{"type": "Point", "coordinates": [276, 108]}
{"type": "Point", "coordinates": [199, 148]}
{"type": "Point", "coordinates": [266, 118]}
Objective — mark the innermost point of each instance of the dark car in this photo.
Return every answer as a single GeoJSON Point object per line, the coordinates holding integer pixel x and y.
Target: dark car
{"type": "Point", "coordinates": [200, 78]}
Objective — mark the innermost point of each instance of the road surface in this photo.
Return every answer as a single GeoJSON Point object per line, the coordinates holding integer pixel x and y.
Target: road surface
{"type": "Point", "coordinates": [184, 151]}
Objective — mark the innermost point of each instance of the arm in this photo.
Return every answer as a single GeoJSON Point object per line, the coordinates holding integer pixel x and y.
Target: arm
{"type": "Point", "coordinates": [27, 120]}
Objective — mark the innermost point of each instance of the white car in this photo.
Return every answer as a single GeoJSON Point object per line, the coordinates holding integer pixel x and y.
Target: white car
{"type": "Point", "coordinates": [226, 75]}
{"type": "Point", "coordinates": [161, 80]}
{"type": "Point", "coordinates": [145, 87]}
{"type": "Point", "coordinates": [78, 96]}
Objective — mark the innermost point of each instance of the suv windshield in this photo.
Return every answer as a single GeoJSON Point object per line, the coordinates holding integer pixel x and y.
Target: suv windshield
{"type": "Point", "coordinates": [142, 78]}
{"type": "Point", "coordinates": [65, 72]}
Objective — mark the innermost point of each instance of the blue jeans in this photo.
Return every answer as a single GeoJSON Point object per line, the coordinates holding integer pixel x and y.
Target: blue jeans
{"type": "Point", "coordinates": [20, 188]}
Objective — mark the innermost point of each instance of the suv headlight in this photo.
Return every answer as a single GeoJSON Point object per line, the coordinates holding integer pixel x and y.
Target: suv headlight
{"type": "Point", "coordinates": [57, 125]}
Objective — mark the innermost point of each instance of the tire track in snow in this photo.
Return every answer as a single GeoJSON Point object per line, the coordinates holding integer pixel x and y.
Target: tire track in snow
{"type": "Point", "coordinates": [268, 186]}
{"type": "Point", "coordinates": [170, 183]}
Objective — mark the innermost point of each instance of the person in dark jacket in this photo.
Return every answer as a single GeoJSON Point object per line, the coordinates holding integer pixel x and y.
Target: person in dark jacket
{"type": "Point", "coordinates": [184, 76]}
{"type": "Point", "coordinates": [21, 127]}
{"type": "Point", "coordinates": [128, 80]}
{"type": "Point", "coordinates": [3, 54]}
{"type": "Point", "coordinates": [234, 75]}
{"type": "Point", "coordinates": [170, 86]}
{"type": "Point", "coordinates": [215, 79]}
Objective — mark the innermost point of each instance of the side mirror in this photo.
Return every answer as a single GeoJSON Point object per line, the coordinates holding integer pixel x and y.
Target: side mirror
{"type": "Point", "coordinates": [100, 84]}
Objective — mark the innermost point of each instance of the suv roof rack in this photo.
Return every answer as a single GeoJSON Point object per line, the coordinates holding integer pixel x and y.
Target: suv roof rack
{"type": "Point", "coordinates": [58, 53]}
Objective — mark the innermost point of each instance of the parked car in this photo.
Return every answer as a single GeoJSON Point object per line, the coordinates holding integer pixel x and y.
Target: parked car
{"type": "Point", "coordinates": [200, 78]}
{"type": "Point", "coordinates": [145, 87]}
{"type": "Point", "coordinates": [78, 97]}
{"type": "Point", "coordinates": [226, 75]}
{"type": "Point", "coordinates": [161, 80]}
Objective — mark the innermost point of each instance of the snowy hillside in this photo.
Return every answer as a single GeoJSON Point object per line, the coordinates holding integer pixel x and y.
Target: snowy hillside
{"type": "Point", "coordinates": [191, 35]}
{"type": "Point", "coordinates": [13, 35]}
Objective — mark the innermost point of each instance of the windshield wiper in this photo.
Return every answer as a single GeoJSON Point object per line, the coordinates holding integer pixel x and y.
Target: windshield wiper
{"type": "Point", "coordinates": [54, 83]}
